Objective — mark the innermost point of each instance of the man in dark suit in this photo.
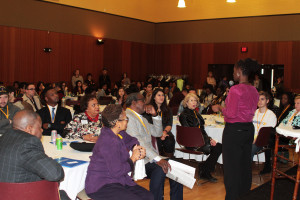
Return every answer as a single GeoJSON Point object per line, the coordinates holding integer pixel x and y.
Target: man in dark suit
{"type": "Point", "coordinates": [22, 155]}
{"type": "Point", "coordinates": [54, 117]}
{"type": "Point", "coordinates": [104, 79]}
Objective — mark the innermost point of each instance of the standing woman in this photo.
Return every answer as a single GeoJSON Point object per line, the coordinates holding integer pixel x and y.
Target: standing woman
{"type": "Point", "coordinates": [238, 134]}
{"type": "Point", "coordinates": [166, 143]}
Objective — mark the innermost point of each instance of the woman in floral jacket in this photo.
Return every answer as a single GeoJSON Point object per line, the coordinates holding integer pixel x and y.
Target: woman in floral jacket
{"type": "Point", "coordinates": [86, 125]}
{"type": "Point", "coordinates": [293, 118]}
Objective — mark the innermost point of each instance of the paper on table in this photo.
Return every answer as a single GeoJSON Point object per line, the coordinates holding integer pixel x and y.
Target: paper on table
{"type": "Point", "coordinates": [182, 173]}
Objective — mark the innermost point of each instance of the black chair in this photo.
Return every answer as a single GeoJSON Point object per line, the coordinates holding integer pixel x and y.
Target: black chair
{"type": "Point", "coordinates": [262, 140]}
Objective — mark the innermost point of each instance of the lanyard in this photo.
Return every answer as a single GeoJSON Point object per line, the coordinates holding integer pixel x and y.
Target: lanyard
{"type": "Point", "coordinates": [292, 117]}
{"type": "Point", "coordinates": [197, 118]}
{"type": "Point", "coordinates": [6, 114]}
{"type": "Point", "coordinates": [139, 119]}
{"type": "Point", "coordinates": [283, 112]}
{"type": "Point", "coordinates": [120, 136]}
{"type": "Point", "coordinates": [258, 125]}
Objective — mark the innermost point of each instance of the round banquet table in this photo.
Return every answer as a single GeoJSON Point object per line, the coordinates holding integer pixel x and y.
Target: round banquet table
{"type": "Point", "coordinates": [285, 131]}
{"type": "Point", "coordinates": [214, 130]}
{"type": "Point", "coordinates": [74, 179]}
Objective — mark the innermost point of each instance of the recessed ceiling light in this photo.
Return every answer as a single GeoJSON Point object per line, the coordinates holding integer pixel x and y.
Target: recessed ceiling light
{"type": "Point", "coordinates": [230, 1]}
{"type": "Point", "coordinates": [181, 4]}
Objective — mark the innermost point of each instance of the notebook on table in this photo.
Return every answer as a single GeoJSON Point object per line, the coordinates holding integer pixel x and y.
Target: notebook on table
{"type": "Point", "coordinates": [69, 162]}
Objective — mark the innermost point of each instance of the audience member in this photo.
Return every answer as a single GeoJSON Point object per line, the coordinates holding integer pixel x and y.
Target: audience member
{"type": "Point", "coordinates": [257, 83]}
{"type": "Point", "coordinates": [86, 125]}
{"type": "Point", "coordinates": [78, 88]}
{"type": "Point", "coordinates": [22, 155]}
{"type": "Point", "coordinates": [107, 175]}
{"type": "Point", "coordinates": [156, 167]}
{"type": "Point", "coordinates": [148, 92]}
{"type": "Point", "coordinates": [40, 87]}
{"type": "Point", "coordinates": [293, 118]}
{"type": "Point", "coordinates": [22, 89]}
{"type": "Point", "coordinates": [76, 77]}
{"type": "Point", "coordinates": [31, 98]}
{"type": "Point", "coordinates": [104, 78]}
{"type": "Point", "coordinates": [16, 86]}
{"type": "Point", "coordinates": [191, 118]}
{"type": "Point", "coordinates": [89, 80]}
{"type": "Point", "coordinates": [121, 96]}
{"type": "Point", "coordinates": [8, 110]}
{"type": "Point", "coordinates": [210, 80]}
{"type": "Point", "coordinates": [53, 116]}
{"type": "Point", "coordinates": [125, 82]}
{"type": "Point", "coordinates": [17, 101]}
{"type": "Point", "coordinates": [165, 143]}
{"type": "Point", "coordinates": [263, 117]}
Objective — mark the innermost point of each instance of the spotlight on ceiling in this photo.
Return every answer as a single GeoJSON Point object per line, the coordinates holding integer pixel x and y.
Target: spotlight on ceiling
{"type": "Point", "coordinates": [100, 41]}
{"type": "Point", "coordinates": [181, 4]}
{"type": "Point", "coordinates": [230, 1]}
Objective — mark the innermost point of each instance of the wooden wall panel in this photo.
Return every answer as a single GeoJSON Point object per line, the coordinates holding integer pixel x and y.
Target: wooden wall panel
{"type": "Point", "coordinates": [22, 57]}
{"type": "Point", "coordinates": [193, 59]}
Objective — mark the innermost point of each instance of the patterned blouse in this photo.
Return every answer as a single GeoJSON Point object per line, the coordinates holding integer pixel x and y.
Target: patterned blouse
{"type": "Point", "coordinates": [81, 125]}
{"type": "Point", "coordinates": [296, 119]}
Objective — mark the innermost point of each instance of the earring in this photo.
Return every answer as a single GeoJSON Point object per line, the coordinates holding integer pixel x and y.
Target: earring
{"type": "Point", "coordinates": [238, 74]}
{"type": "Point", "coordinates": [119, 126]}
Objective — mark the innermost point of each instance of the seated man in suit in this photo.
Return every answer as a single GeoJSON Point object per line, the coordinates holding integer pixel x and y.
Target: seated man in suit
{"type": "Point", "coordinates": [7, 109]}
{"type": "Point", "coordinates": [54, 117]}
{"type": "Point", "coordinates": [138, 127]}
{"type": "Point", "coordinates": [31, 97]}
{"type": "Point", "coordinates": [22, 155]}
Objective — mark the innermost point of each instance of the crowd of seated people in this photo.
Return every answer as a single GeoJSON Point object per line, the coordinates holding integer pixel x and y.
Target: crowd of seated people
{"type": "Point", "coordinates": [165, 100]}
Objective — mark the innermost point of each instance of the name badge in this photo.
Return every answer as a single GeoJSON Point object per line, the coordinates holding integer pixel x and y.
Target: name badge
{"type": "Point", "coordinates": [84, 121]}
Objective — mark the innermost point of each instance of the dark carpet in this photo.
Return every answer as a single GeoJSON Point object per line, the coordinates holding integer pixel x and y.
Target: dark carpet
{"type": "Point", "coordinates": [284, 189]}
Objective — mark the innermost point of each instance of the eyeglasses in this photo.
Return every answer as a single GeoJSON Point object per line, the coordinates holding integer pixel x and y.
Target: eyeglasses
{"type": "Point", "coordinates": [126, 119]}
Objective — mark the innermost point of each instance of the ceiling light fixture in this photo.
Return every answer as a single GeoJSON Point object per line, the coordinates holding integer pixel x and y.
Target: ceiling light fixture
{"type": "Point", "coordinates": [230, 1]}
{"type": "Point", "coordinates": [181, 4]}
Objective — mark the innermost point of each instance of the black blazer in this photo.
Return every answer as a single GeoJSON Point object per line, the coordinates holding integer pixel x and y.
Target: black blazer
{"type": "Point", "coordinates": [23, 159]}
{"type": "Point", "coordinates": [62, 115]}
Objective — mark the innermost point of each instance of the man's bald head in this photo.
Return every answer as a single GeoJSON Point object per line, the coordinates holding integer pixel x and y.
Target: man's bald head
{"type": "Point", "coordinates": [28, 121]}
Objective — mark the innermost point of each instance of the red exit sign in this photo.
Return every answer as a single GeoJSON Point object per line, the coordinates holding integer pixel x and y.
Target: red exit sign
{"type": "Point", "coordinates": [244, 49]}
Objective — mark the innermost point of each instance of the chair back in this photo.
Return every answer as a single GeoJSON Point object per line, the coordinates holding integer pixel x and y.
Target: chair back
{"type": "Point", "coordinates": [45, 190]}
{"type": "Point", "coordinates": [189, 136]}
{"type": "Point", "coordinates": [105, 100]}
{"type": "Point", "coordinates": [263, 136]}
{"type": "Point", "coordinates": [175, 110]}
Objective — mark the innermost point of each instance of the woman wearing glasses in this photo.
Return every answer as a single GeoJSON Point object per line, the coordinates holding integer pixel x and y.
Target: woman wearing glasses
{"type": "Point", "coordinates": [107, 175]}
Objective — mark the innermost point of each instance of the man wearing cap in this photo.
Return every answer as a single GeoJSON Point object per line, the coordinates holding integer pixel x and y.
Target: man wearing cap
{"type": "Point", "coordinates": [7, 109]}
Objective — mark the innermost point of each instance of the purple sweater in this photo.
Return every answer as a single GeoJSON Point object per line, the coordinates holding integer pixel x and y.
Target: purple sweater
{"type": "Point", "coordinates": [241, 104]}
{"type": "Point", "coordinates": [110, 162]}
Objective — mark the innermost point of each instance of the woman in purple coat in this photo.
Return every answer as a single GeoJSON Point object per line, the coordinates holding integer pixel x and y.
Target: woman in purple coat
{"type": "Point", "coordinates": [107, 175]}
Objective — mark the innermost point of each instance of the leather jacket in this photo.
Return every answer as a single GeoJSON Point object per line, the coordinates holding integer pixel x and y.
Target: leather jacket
{"type": "Point", "coordinates": [188, 118]}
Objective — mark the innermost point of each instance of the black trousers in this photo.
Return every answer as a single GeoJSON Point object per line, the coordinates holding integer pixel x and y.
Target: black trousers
{"type": "Point", "coordinates": [116, 191]}
{"type": "Point", "coordinates": [237, 145]}
{"type": "Point", "coordinates": [167, 145]}
{"type": "Point", "coordinates": [210, 163]}
{"type": "Point", "coordinates": [157, 181]}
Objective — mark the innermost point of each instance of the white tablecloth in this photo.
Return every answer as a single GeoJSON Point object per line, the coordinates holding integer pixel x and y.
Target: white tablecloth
{"type": "Point", "coordinates": [288, 131]}
{"type": "Point", "coordinates": [214, 131]}
{"type": "Point", "coordinates": [74, 177]}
